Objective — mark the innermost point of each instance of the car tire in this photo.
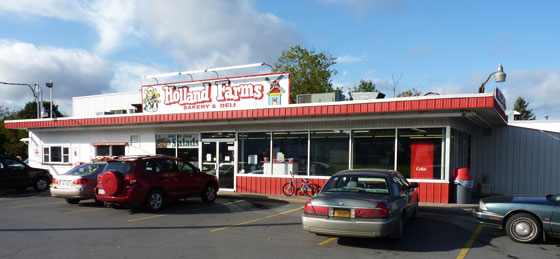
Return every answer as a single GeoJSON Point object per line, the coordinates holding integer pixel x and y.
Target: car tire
{"type": "Point", "coordinates": [209, 194]}
{"type": "Point", "coordinates": [399, 232]}
{"type": "Point", "coordinates": [112, 183]}
{"type": "Point", "coordinates": [72, 200]}
{"type": "Point", "coordinates": [288, 189]}
{"type": "Point", "coordinates": [524, 228]}
{"type": "Point", "coordinates": [154, 200]}
{"type": "Point", "coordinates": [41, 184]}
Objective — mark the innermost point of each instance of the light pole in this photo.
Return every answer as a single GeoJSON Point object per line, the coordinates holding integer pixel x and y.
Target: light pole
{"type": "Point", "coordinates": [50, 86]}
{"type": "Point", "coordinates": [36, 93]}
{"type": "Point", "coordinates": [499, 76]}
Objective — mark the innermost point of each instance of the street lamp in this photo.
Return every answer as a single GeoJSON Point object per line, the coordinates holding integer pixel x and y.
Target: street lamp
{"type": "Point", "coordinates": [50, 86]}
{"type": "Point", "coordinates": [499, 76]}
{"type": "Point", "coordinates": [36, 93]}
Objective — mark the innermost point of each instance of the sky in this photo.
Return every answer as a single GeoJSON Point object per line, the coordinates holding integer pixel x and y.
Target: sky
{"type": "Point", "coordinates": [446, 47]}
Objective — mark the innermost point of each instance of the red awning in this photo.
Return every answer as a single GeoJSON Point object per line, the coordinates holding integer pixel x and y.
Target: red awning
{"type": "Point", "coordinates": [108, 144]}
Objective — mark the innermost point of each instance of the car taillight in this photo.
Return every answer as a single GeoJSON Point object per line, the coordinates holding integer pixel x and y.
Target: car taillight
{"type": "Point", "coordinates": [380, 211]}
{"type": "Point", "coordinates": [80, 181]}
{"type": "Point", "coordinates": [129, 179]}
{"type": "Point", "coordinates": [317, 210]}
{"type": "Point", "coordinates": [54, 181]}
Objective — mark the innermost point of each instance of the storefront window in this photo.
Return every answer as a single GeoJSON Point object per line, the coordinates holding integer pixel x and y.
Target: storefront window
{"type": "Point", "coordinates": [329, 152]}
{"type": "Point", "coordinates": [254, 152]}
{"type": "Point", "coordinates": [289, 153]}
{"type": "Point", "coordinates": [108, 150]}
{"type": "Point", "coordinates": [374, 149]}
{"type": "Point", "coordinates": [420, 152]}
{"type": "Point", "coordinates": [187, 145]}
{"type": "Point", "coordinates": [166, 144]}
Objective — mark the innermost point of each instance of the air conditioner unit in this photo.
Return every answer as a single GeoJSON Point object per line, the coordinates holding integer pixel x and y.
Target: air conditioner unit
{"type": "Point", "coordinates": [304, 98]}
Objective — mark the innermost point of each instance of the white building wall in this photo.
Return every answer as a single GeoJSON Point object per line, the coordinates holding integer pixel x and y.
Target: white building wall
{"type": "Point", "coordinates": [89, 106]}
{"type": "Point", "coordinates": [79, 143]}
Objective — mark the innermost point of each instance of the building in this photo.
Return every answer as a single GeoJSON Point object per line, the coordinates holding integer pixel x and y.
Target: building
{"type": "Point", "coordinates": [244, 130]}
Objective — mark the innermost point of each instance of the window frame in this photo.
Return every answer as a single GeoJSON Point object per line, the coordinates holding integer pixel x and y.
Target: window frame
{"type": "Point", "coordinates": [64, 153]}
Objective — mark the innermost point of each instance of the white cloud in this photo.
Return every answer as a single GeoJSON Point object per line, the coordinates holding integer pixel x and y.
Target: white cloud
{"type": "Point", "coordinates": [112, 19]}
{"type": "Point", "coordinates": [538, 87]}
{"type": "Point", "coordinates": [74, 72]}
{"type": "Point", "coordinates": [204, 34]}
{"type": "Point", "coordinates": [350, 59]}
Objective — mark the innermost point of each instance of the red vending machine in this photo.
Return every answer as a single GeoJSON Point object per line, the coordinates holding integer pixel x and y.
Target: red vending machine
{"type": "Point", "coordinates": [422, 160]}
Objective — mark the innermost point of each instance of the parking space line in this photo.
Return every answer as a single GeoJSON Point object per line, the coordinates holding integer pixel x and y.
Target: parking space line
{"type": "Point", "coordinates": [150, 217]}
{"type": "Point", "coordinates": [81, 211]}
{"type": "Point", "coordinates": [255, 220]}
{"type": "Point", "coordinates": [327, 241]}
{"type": "Point", "coordinates": [38, 204]}
{"type": "Point", "coordinates": [19, 198]}
{"type": "Point", "coordinates": [161, 215]}
{"type": "Point", "coordinates": [474, 235]}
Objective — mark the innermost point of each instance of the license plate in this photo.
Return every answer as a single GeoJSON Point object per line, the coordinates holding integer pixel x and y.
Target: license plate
{"type": "Point", "coordinates": [100, 191]}
{"type": "Point", "coordinates": [342, 213]}
{"type": "Point", "coordinates": [66, 182]}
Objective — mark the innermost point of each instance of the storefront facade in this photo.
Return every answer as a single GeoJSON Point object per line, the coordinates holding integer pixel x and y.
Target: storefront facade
{"type": "Point", "coordinates": [245, 131]}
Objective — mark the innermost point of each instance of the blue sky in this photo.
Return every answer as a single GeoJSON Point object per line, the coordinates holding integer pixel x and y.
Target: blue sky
{"type": "Point", "coordinates": [449, 47]}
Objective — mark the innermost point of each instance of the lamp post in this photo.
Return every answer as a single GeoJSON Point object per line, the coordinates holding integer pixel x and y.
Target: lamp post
{"type": "Point", "coordinates": [499, 76]}
{"type": "Point", "coordinates": [50, 86]}
{"type": "Point", "coordinates": [36, 92]}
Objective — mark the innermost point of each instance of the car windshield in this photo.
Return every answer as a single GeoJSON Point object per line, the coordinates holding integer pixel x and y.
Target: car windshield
{"type": "Point", "coordinates": [122, 167]}
{"type": "Point", "coordinates": [356, 183]}
{"type": "Point", "coordinates": [86, 169]}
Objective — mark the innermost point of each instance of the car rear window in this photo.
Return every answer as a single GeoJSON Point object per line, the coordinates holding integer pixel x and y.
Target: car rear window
{"type": "Point", "coordinates": [123, 167]}
{"type": "Point", "coordinates": [357, 183]}
{"type": "Point", "coordinates": [85, 169]}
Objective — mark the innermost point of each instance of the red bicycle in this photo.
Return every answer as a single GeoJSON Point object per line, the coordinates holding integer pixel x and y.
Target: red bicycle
{"type": "Point", "coordinates": [302, 185]}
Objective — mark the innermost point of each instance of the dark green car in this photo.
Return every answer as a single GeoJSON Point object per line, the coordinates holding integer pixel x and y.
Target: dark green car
{"type": "Point", "coordinates": [526, 219]}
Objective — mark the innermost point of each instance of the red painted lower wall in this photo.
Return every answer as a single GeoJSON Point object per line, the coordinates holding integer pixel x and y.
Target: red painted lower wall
{"type": "Point", "coordinates": [427, 192]}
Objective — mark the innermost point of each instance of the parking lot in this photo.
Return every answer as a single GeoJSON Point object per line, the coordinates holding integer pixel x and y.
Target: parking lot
{"type": "Point", "coordinates": [36, 225]}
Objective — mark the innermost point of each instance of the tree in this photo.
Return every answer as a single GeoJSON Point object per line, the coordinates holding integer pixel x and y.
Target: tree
{"type": "Point", "coordinates": [365, 86]}
{"type": "Point", "coordinates": [409, 93]}
{"type": "Point", "coordinates": [10, 139]}
{"type": "Point", "coordinates": [310, 72]}
{"type": "Point", "coordinates": [522, 107]}
{"type": "Point", "coordinates": [30, 111]}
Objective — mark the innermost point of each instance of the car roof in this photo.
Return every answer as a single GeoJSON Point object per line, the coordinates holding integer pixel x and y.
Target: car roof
{"type": "Point", "coordinates": [366, 171]}
{"type": "Point", "coordinates": [139, 157]}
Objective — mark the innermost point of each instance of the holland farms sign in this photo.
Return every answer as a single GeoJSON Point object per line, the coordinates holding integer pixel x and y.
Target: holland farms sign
{"type": "Point", "coordinates": [256, 91]}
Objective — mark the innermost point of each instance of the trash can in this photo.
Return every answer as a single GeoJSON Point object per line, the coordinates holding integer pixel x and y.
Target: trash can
{"type": "Point", "coordinates": [463, 185]}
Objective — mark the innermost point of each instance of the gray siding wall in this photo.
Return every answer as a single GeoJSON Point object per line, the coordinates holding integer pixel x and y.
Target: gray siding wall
{"type": "Point", "coordinates": [517, 160]}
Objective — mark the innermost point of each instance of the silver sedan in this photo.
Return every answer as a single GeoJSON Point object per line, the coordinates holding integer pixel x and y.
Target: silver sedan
{"type": "Point", "coordinates": [362, 203]}
{"type": "Point", "coordinates": [78, 183]}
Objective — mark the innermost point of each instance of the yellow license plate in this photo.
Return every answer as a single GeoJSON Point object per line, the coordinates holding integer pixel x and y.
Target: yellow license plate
{"type": "Point", "coordinates": [342, 213]}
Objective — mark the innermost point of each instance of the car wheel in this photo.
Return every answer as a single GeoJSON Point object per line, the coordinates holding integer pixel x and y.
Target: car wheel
{"type": "Point", "coordinates": [399, 232]}
{"type": "Point", "coordinates": [288, 189]}
{"type": "Point", "coordinates": [209, 194]}
{"type": "Point", "coordinates": [523, 228]}
{"type": "Point", "coordinates": [154, 201]}
{"type": "Point", "coordinates": [72, 200]}
{"type": "Point", "coordinates": [41, 184]}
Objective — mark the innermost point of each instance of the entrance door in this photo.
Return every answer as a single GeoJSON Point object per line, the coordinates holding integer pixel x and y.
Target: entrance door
{"type": "Point", "coordinates": [218, 159]}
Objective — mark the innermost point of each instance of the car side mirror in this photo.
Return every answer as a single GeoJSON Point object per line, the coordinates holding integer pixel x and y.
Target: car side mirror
{"type": "Point", "coordinates": [196, 171]}
{"type": "Point", "coordinates": [413, 185]}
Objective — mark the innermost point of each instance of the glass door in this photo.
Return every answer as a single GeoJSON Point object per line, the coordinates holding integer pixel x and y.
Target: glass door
{"type": "Point", "coordinates": [218, 159]}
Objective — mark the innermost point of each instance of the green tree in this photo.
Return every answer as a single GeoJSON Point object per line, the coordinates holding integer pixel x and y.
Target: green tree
{"type": "Point", "coordinates": [310, 72]}
{"type": "Point", "coordinates": [30, 111]}
{"type": "Point", "coordinates": [10, 139]}
{"type": "Point", "coordinates": [365, 86]}
{"type": "Point", "coordinates": [409, 93]}
{"type": "Point", "coordinates": [522, 107]}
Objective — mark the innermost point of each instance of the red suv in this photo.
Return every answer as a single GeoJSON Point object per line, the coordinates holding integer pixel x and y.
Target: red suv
{"type": "Point", "coordinates": [152, 180]}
